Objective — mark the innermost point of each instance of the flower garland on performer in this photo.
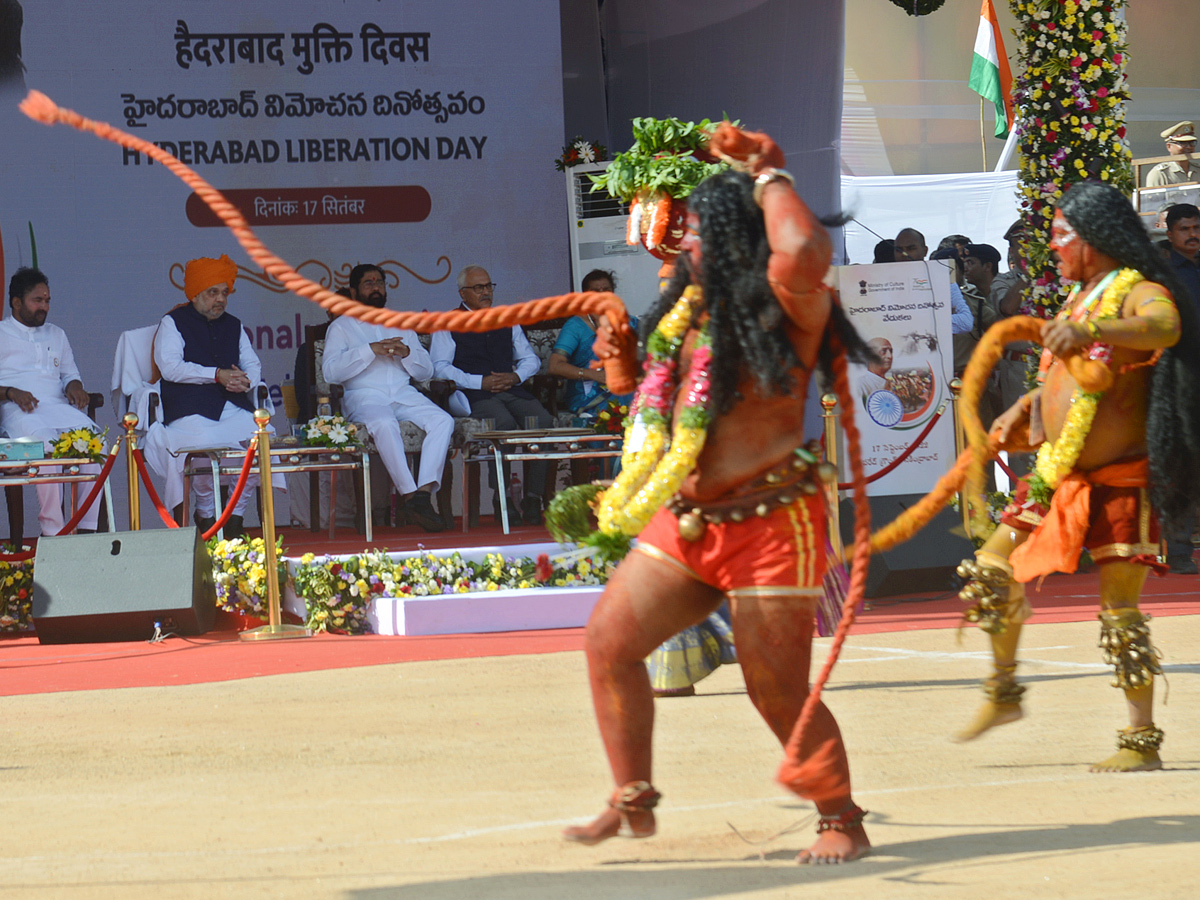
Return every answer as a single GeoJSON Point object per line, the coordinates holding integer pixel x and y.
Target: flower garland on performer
{"type": "Point", "coordinates": [1069, 104]}
{"type": "Point", "coordinates": [1056, 460]}
{"type": "Point", "coordinates": [655, 461]}
{"type": "Point", "coordinates": [650, 472]}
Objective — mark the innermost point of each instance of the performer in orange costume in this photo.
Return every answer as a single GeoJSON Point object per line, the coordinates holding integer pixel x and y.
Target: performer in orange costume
{"type": "Point", "coordinates": [1105, 458]}
{"type": "Point", "coordinates": [747, 523]}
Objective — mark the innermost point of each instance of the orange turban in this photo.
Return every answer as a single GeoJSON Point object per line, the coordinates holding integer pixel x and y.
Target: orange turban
{"type": "Point", "coordinates": [203, 273]}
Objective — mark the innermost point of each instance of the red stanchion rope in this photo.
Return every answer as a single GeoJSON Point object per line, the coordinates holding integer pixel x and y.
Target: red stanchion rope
{"type": "Point", "coordinates": [235, 494]}
{"type": "Point", "coordinates": [79, 513]}
{"type": "Point", "coordinates": [621, 369]}
{"type": "Point", "coordinates": [1007, 471]}
{"type": "Point", "coordinates": [140, 460]}
{"type": "Point", "coordinates": [903, 456]}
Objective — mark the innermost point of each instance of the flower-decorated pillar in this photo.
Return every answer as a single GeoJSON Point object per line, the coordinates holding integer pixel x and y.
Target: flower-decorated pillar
{"type": "Point", "coordinates": [1070, 98]}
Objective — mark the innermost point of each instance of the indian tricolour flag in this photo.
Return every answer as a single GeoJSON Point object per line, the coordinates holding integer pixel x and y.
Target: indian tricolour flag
{"type": "Point", "coordinates": [990, 75]}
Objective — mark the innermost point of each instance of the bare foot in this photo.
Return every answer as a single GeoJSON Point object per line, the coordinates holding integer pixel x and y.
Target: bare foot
{"type": "Point", "coordinates": [834, 847]}
{"type": "Point", "coordinates": [1126, 760]}
{"type": "Point", "coordinates": [613, 823]}
{"type": "Point", "coordinates": [989, 716]}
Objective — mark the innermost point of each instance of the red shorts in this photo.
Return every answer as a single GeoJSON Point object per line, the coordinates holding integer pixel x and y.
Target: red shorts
{"type": "Point", "coordinates": [1122, 526]}
{"type": "Point", "coordinates": [784, 549]}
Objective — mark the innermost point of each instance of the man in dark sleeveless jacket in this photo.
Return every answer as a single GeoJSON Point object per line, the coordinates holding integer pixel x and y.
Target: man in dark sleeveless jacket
{"type": "Point", "coordinates": [489, 369]}
{"type": "Point", "coordinates": [208, 368]}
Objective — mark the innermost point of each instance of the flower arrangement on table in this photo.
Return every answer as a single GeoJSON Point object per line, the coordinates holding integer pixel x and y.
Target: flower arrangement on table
{"type": "Point", "coordinates": [16, 593]}
{"type": "Point", "coordinates": [338, 591]}
{"type": "Point", "coordinates": [240, 574]}
{"type": "Point", "coordinates": [1069, 104]}
{"type": "Point", "coordinates": [78, 443]}
{"type": "Point", "coordinates": [579, 152]}
{"type": "Point", "coordinates": [662, 168]}
{"type": "Point", "coordinates": [332, 431]}
{"type": "Point", "coordinates": [611, 418]}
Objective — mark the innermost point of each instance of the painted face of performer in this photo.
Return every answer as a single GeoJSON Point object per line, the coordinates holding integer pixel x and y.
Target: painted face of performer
{"type": "Point", "coordinates": [691, 244]}
{"type": "Point", "coordinates": [372, 289]}
{"type": "Point", "coordinates": [1068, 246]}
{"type": "Point", "coordinates": [477, 292]}
{"type": "Point", "coordinates": [211, 302]}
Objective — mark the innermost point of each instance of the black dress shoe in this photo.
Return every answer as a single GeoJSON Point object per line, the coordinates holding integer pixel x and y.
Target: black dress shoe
{"type": "Point", "coordinates": [531, 510]}
{"type": "Point", "coordinates": [204, 523]}
{"type": "Point", "coordinates": [234, 528]}
{"type": "Point", "coordinates": [419, 511]}
{"type": "Point", "coordinates": [514, 515]}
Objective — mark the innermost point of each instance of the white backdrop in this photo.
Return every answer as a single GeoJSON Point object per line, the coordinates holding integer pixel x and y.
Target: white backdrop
{"type": "Point", "coordinates": [981, 205]}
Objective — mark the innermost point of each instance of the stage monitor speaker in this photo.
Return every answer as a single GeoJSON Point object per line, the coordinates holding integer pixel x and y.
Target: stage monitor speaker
{"type": "Point", "coordinates": [89, 588]}
{"type": "Point", "coordinates": [923, 564]}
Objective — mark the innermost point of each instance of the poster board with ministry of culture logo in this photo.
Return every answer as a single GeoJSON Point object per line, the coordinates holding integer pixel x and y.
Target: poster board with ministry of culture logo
{"type": "Point", "coordinates": [903, 311]}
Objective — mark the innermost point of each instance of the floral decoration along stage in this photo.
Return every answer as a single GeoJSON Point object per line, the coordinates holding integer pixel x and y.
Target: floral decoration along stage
{"type": "Point", "coordinates": [1070, 109]}
{"type": "Point", "coordinates": [580, 152]}
{"type": "Point", "coordinates": [240, 574]}
{"type": "Point", "coordinates": [332, 431]}
{"type": "Point", "coordinates": [338, 590]}
{"type": "Point", "coordinates": [80, 443]}
{"type": "Point", "coordinates": [16, 592]}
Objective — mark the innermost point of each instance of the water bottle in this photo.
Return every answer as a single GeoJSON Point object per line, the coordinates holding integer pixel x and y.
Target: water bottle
{"type": "Point", "coordinates": [324, 408]}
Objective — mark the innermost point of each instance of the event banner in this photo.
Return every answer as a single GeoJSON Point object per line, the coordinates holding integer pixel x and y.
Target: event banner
{"type": "Point", "coordinates": [903, 311]}
{"type": "Point", "coordinates": [411, 134]}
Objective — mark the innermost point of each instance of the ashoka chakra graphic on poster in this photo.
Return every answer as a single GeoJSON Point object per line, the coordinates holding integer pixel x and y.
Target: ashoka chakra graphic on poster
{"type": "Point", "coordinates": [885, 408]}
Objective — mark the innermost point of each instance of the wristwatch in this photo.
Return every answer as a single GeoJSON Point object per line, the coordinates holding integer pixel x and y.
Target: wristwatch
{"type": "Point", "coordinates": [765, 177]}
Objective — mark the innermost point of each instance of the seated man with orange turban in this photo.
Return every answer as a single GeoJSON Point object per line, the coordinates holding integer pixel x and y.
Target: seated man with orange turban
{"type": "Point", "coordinates": [208, 369]}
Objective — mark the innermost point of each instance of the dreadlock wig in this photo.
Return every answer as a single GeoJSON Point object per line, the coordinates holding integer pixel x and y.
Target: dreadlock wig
{"type": "Point", "coordinates": [1105, 219]}
{"type": "Point", "coordinates": [747, 322]}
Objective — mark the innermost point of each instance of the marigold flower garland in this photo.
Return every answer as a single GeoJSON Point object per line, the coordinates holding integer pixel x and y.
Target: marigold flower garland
{"type": "Point", "coordinates": [1056, 460]}
{"type": "Point", "coordinates": [650, 472]}
{"type": "Point", "coordinates": [1069, 101]}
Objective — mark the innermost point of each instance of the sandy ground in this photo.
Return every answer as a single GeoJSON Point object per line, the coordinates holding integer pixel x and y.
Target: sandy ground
{"type": "Point", "coordinates": [452, 780]}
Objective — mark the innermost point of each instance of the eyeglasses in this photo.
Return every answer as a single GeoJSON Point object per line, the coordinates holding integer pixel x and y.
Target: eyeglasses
{"type": "Point", "coordinates": [372, 282]}
{"type": "Point", "coordinates": [480, 288]}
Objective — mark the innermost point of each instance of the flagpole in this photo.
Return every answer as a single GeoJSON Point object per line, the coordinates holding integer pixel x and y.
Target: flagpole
{"type": "Point", "coordinates": [982, 139]}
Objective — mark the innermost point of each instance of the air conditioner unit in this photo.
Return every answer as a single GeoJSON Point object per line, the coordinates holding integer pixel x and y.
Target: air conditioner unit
{"type": "Point", "coordinates": [598, 224]}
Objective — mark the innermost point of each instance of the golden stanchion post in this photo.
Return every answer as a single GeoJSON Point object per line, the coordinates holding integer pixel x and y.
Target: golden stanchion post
{"type": "Point", "coordinates": [130, 421]}
{"type": "Point", "coordinates": [274, 627]}
{"type": "Point", "coordinates": [960, 442]}
{"type": "Point", "coordinates": [829, 404]}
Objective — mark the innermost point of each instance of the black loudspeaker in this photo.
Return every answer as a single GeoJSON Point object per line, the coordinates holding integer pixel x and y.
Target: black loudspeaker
{"type": "Point", "coordinates": [924, 563]}
{"type": "Point", "coordinates": [89, 588]}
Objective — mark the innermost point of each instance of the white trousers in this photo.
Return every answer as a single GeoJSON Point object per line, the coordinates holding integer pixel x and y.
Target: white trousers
{"type": "Point", "coordinates": [167, 445]}
{"type": "Point", "coordinates": [383, 424]}
{"type": "Point", "coordinates": [50, 419]}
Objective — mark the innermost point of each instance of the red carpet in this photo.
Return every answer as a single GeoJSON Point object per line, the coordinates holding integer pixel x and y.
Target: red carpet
{"type": "Point", "coordinates": [29, 667]}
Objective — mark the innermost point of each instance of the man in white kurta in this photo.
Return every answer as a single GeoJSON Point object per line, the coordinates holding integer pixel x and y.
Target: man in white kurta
{"type": "Point", "coordinates": [377, 367]}
{"type": "Point", "coordinates": [43, 395]}
{"type": "Point", "coordinates": [205, 391]}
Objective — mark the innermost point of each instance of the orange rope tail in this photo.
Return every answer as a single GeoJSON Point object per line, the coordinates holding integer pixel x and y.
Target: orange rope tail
{"type": "Point", "coordinates": [792, 762]}
{"type": "Point", "coordinates": [1091, 376]}
{"type": "Point", "coordinates": [621, 370]}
